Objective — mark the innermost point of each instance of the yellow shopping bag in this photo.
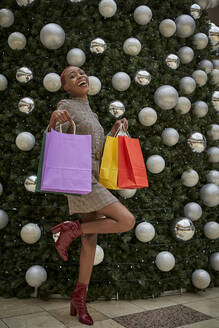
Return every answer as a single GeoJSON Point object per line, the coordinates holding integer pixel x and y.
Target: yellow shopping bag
{"type": "Point", "coordinates": [109, 165]}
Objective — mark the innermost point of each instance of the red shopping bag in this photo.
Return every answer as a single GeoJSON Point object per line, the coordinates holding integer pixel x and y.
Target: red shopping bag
{"type": "Point", "coordinates": [131, 167]}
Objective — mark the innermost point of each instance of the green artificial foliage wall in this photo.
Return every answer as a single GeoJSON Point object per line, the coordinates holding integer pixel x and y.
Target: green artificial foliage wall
{"type": "Point", "coordinates": [129, 265]}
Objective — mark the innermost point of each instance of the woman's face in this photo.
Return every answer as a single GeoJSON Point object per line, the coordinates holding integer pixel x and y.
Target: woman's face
{"type": "Point", "coordinates": [76, 82]}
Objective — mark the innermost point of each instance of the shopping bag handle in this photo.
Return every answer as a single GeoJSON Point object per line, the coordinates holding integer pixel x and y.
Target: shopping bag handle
{"type": "Point", "coordinates": [72, 124]}
{"type": "Point", "coordinates": [121, 128]}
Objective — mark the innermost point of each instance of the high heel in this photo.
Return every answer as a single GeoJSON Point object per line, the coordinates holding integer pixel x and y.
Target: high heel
{"type": "Point", "coordinates": [73, 310]}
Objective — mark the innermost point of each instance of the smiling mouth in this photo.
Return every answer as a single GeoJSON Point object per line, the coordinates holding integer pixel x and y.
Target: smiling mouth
{"type": "Point", "coordinates": [83, 83]}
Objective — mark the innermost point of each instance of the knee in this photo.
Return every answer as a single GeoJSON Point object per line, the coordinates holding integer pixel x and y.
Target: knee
{"type": "Point", "coordinates": [89, 240]}
{"type": "Point", "coordinates": [130, 222]}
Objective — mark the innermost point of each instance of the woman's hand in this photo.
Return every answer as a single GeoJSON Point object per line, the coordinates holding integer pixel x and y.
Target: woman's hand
{"type": "Point", "coordinates": [117, 124]}
{"type": "Point", "coordinates": [60, 116]}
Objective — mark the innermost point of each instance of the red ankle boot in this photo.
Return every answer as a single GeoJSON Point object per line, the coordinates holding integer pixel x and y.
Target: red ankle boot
{"type": "Point", "coordinates": [78, 304]}
{"type": "Point", "coordinates": [69, 230]}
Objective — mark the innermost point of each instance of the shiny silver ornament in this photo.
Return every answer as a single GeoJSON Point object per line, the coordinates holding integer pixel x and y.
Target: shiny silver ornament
{"type": "Point", "coordinates": [1, 189]}
{"type": "Point", "coordinates": [209, 194]}
{"type": "Point", "coordinates": [200, 108]}
{"type": "Point", "coordinates": [166, 97]}
{"type": "Point", "coordinates": [55, 236]}
{"type": "Point", "coordinates": [52, 36]}
{"type": "Point", "coordinates": [187, 85]}
{"type": "Point", "coordinates": [143, 77]}
{"type": "Point", "coordinates": [147, 116]}
{"type": "Point", "coordinates": [206, 65]}
{"type": "Point", "coordinates": [155, 164]}
{"type": "Point", "coordinates": [185, 26]}
{"type": "Point", "coordinates": [30, 233]}
{"type": "Point", "coordinates": [200, 41]}
{"type": "Point", "coordinates": [183, 105]}
{"type": "Point", "coordinates": [197, 142]}
{"type": "Point", "coordinates": [193, 211]}
{"type": "Point", "coordinates": [200, 77]}
{"type": "Point", "coordinates": [211, 230]}
{"type": "Point", "coordinates": [30, 183]}
{"type": "Point", "coordinates": [142, 15]}
{"type": "Point", "coordinates": [172, 61]}
{"type": "Point", "coordinates": [76, 57]}
{"type": "Point", "coordinates": [25, 141]}
{"type": "Point", "coordinates": [213, 177]}
{"type": "Point", "coordinates": [6, 17]}
{"type": "Point", "coordinates": [213, 132]}
{"type": "Point", "coordinates": [132, 46]}
{"type": "Point", "coordinates": [186, 55]}
{"type": "Point", "coordinates": [167, 28]}
{"type": "Point", "coordinates": [190, 178]}
{"type": "Point", "coordinates": [183, 229]}
{"type": "Point", "coordinates": [98, 46]}
{"type": "Point", "coordinates": [24, 75]}
{"type": "Point", "coordinates": [121, 81]}
{"type": "Point", "coordinates": [214, 35]}
{"type": "Point", "coordinates": [17, 41]}
{"type": "Point", "coordinates": [26, 105]}
{"type": "Point", "coordinates": [145, 232]}
{"type": "Point", "coordinates": [170, 137]}
{"type": "Point", "coordinates": [214, 261]}
{"type": "Point", "coordinates": [107, 8]}
{"type": "Point", "coordinates": [35, 276]}
{"type": "Point", "coordinates": [165, 261]}
{"type": "Point", "coordinates": [213, 154]}
{"type": "Point", "coordinates": [99, 255]}
{"type": "Point", "coordinates": [127, 193]}
{"type": "Point", "coordinates": [24, 3]}
{"type": "Point", "coordinates": [94, 85]}
{"type": "Point", "coordinates": [3, 219]}
{"type": "Point", "coordinates": [201, 279]}
{"type": "Point", "coordinates": [52, 82]}
{"type": "Point", "coordinates": [3, 82]}
{"type": "Point", "coordinates": [214, 77]}
{"type": "Point", "coordinates": [195, 11]}
{"type": "Point", "coordinates": [215, 63]}
{"type": "Point", "coordinates": [215, 100]}
{"type": "Point", "coordinates": [116, 108]}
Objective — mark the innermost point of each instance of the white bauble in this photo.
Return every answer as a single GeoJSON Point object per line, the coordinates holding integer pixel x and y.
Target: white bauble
{"type": "Point", "coordinates": [165, 261]}
{"type": "Point", "coordinates": [142, 15]}
{"type": "Point", "coordinates": [200, 108]}
{"type": "Point", "coordinates": [193, 211]}
{"type": "Point", "coordinates": [52, 82]}
{"type": "Point", "coordinates": [211, 230]}
{"type": "Point", "coordinates": [30, 233]}
{"type": "Point", "coordinates": [167, 28]}
{"type": "Point", "coordinates": [214, 261]}
{"type": "Point", "coordinates": [127, 193]}
{"type": "Point", "coordinates": [185, 26]}
{"type": "Point", "coordinates": [35, 276]}
{"type": "Point", "coordinates": [17, 41]}
{"type": "Point", "coordinates": [99, 255]}
{"type": "Point", "coordinates": [52, 36]}
{"type": "Point", "coordinates": [213, 132]}
{"type": "Point", "coordinates": [190, 178]}
{"type": "Point", "coordinates": [213, 154]}
{"type": "Point", "coordinates": [155, 164]}
{"type": "Point", "coordinates": [209, 194]}
{"type": "Point", "coordinates": [206, 65]}
{"type": "Point", "coordinates": [3, 82]}
{"type": "Point", "coordinates": [76, 57]}
{"type": "Point", "coordinates": [215, 63]}
{"type": "Point", "coordinates": [94, 85]}
{"type": "Point", "coordinates": [170, 136]}
{"type": "Point", "coordinates": [147, 116]}
{"type": "Point", "coordinates": [214, 77]}
{"type": "Point", "coordinates": [166, 97]}
{"type": "Point", "coordinates": [121, 81]}
{"type": "Point", "coordinates": [132, 46]}
{"type": "Point", "coordinates": [6, 17]}
{"type": "Point", "coordinates": [201, 279]}
{"type": "Point", "coordinates": [186, 55]}
{"type": "Point", "coordinates": [25, 141]}
{"type": "Point", "coordinates": [200, 41]}
{"type": "Point", "coordinates": [3, 219]}
{"type": "Point", "coordinates": [107, 8]}
{"type": "Point", "coordinates": [200, 77]}
{"type": "Point", "coordinates": [145, 232]}
{"type": "Point", "coordinates": [213, 177]}
{"type": "Point", "coordinates": [187, 85]}
{"type": "Point", "coordinates": [183, 105]}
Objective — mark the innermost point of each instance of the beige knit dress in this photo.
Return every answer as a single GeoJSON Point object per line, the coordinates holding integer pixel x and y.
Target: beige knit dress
{"type": "Point", "coordinates": [87, 123]}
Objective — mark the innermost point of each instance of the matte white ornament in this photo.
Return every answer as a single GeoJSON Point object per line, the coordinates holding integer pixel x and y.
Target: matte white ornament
{"type": "Point", "coordinates": [52, 36]}
{"type": "Point", "coordinates": [3, 82]}
{"type": "Point", "coordinates": [170, 136]}
{"type": "Point", "coordinates": [6, 17]}
{"type": "Point", "coordinates": [187, 85]}
{"type": "Point", "coordinates": [17, 41]}
{"type": "Point", "coordinates": [155, 164]}
{"type": "Point", "coordinates": [166, 97]}
{"type": "Point", "coordinates": [3, 219]}
{"type": "Point", "coordinates": [213, 132]}
{"type": "Point", "coordinates": [211, 230]}
{"type": "Point", "coordinates": [214, 77]}
{"type": "Point", "coordinates": [185, 26]}
{"type": "Point", "coordinates": [30, 233]}
{"type": "Point", "coordinates": [94, 85]}
{"type": "Point", "coordinates": [215, 63]}
{"type": "Point", "coordinates": [165, 261]}
{"type": "Point", "coordinates": [200, 77]}
{"type": "Point", "coordinates": [213, 177]}
{"type": "Point", "coordinates": [127, 193]}
{"type": "Point", "coordinates": [107, 8]}
{"type": "Point", "coordinates": [201, 279]}
{"type": "Point", "coordinates": [213, 154]}
{"type": "Point", "coordinates": [30, 183]}
{"type": "Point", "coordinates": [76, 57]}
{"type": "Point", "coordinates": [183, 105]}
{"type": "Point", "coordinates": [52, 82]}
{"type": "Point", "coordinates": [142, 15]}
{"type": "Point", "coordinates": [190, 178]}
{"type": "Point", "coordinates": [186, 55]}
{"type": "Point", "coordinates": [35, 276]}
{"type": "Point", "coordinates": [193, 211]}
{"type": "Point", "coordinates": [147, 116]}
{"type": "Point", "coordinates": [206, 65]}
{"type": "Point", "coordinates": [145, 232]}
{"type": "Point", "coordinates": [25, 141]}
{"type": "Point", "coordinates": [132, 46]}
{"type": "Point", "coordinates": [209, 194]}
{"type": "Point", "coordinates": [200, 108]}
{"type": "Point", "coordinates": [214, 261]}
{"type": "Point", "coordinates": [200, 41]}
{"type": "Point", "coordinates": [24, 2]}
{"type": "Point", "coordinates": [121, 81]}
{"type": "Point", "coordinates": [99, 255]}
{"type": "Point", "coordinates": [167, 28]}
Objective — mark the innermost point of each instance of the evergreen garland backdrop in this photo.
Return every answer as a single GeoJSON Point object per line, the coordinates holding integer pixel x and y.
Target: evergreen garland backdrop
{"type": "Point", "coordinates": [128, 267]}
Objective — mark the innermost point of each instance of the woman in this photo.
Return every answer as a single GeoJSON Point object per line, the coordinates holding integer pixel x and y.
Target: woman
{"type": "Point", "coordinates": [101, 212]}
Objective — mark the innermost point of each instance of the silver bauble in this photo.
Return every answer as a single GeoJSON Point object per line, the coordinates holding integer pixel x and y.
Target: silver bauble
{"type": "Point", "coordinates": [143, 77]}
{"type": "Point", "coordinates": [25, 141]}
{"type": "Point", "coordinates": [94, 85]}
{"type": "Point", "coordinates": [200, 108]}
{"type": "Point", "coordinates": [155, 164]}
{"type": "Point", "coordinates": [165, 261]}
{"type": "Point", "coordinates": [172, 61]}
{"type": "Point", "coordinates": [214, 261]}
{"type": "Point", "coordinates": [144, 232]}
{"type": "Point", "coordinates": [214, 35]}
{"type": "Point", "coordinates": [209, 194]}
{"type": "Point", "coordinates": [211, 230]}
{"type": "Point", "coordinates": [26, 105]}
{"type": "Point", "coordinates": [185, 26]}
{"type": "Point", "coordinates": [206, 65]}
{"type": "Point", "coordinates": [6, 17]}
{"type": "Point", "coordinates": [213, 132]}
{"type": "Point", "coordinates": [147, 116]}
{"type": "Point", "coordinates": [213, 154]}
{"type": "Point", "coordinates": [35, 276]}
{"type": "Point", "coordinates": [24, 2]}
{"type": "Point", "coordinates": [197, 142]}
{"type": "Point", "coordinates": [186, 55]}
{"type": "Point", "coordinates": [107, 8]}
{"type": "Point", "coordinates": [121, 81]}
{"type": "Point", "coordinates": [30, 233]}
{"type": "Point", "coordinates": [52, 36]}
{"type": "Point", "coordinates": [52, 82]}
{"type": "Point", "coordinates": [127, 193]}
{"type": "Point", "coordinates": [1, 189]}
{"type": "Point", "coordinates": [200, 77]}
{"type": "Point", "coordinates": [30, 183]}
{"type": "Point", "coordinates": [190, 178]}
{"type": "Point", "coordinates": [76, 57]}
{"type": "Point", "coordinates": [215, 63]}
{"type": "Point", "coordinates": [183, 229]}
{"type": "Point", "coordinates": [215, 100]}
{"type": "Point", "coordinates": [183, 105]}
{"type": "Point", "coordinates": [17, 41]}
{"type": "Point", "coordinates": [166, 97]}
{"type": "Point", "coordinates": [214, 77]}
{"type": "Point", "coordinates": [213, 177]}
{"type": "Point", "coordinates": [99, 255]}
{"type": "Point", "coordinates": [170, 136]}
{"type": "Point", "coordinates": [3, 82]}
{"type": "Point", "coordinates": [201, 279]}
{"type": "Point", "coordinates": [195, 11]}
{"type": "Point", "coordinates": [200, 41]}
{"type": "Point", "coordinates": [98, 46]}
{"type": "Point", "coordinates": [116, 108]}
{"type": "Point", "coordinates": [167, 28]}
{"type": "Point", "coordinates": [24, 75]}
{"type": "Point", "coordinates": [132, 46]}
{"type": "Point", "coordinates": [193, 211]}
{"type": "Point", "coordinates": [187, 85]}
{"type": "Point", "coordinates": [3, 219]}
{"type": "Point", "coordinates": [142, 15]}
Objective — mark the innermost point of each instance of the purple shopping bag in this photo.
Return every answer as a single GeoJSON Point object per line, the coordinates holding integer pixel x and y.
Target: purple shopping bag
{"type": "Point", "coordinates": [67, 165]}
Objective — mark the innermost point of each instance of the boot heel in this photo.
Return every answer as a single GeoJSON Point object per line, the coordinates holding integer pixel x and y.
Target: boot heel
{"type": "Point", "coordinates": [56, 228]}
{"type": "Point", "coordinates": [73, 310]}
